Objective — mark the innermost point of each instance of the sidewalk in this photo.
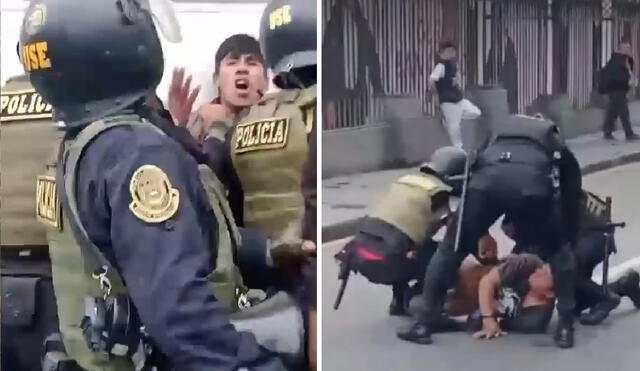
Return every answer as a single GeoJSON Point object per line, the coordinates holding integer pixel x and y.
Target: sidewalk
{"type": "Point", "coordinates": [346, 199]}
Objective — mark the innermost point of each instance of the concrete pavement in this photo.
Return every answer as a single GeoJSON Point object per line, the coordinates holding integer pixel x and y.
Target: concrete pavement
{"type": "Point", "coordinates": [361, 336]}
{"type": "Point", "coordinates": [346, 199]}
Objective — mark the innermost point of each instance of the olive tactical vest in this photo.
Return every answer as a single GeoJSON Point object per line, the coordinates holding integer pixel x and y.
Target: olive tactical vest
{"type": "Point", "coordinates": [269, 151]}
{"type": "Point", "coordinates": [28, 135]}
{"type": "Point", "coordinates": [407, 205]}
{"type": "Point", "coordinates": [73, 264]}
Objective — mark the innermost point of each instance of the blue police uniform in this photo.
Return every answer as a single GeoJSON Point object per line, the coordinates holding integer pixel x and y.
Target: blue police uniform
{"type": "Point", "coordinates": [165, 265]}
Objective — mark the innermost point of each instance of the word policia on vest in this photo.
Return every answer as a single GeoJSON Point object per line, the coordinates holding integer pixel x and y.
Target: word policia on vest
{"type": "Point", "coordinates": [261, 135]}
{"type": "Point", "coordinates": [47, 202]}
{"type": "Point", "coordinates": [23, 105]}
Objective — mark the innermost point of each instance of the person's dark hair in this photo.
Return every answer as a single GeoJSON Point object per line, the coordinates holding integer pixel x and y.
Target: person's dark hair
{"type": "Point", "coordinates": [237, 45]}
{"type": "Point", "coordinates": [446, 45]}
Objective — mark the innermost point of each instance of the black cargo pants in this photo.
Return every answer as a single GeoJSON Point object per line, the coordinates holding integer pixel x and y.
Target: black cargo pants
{"type": "Point", "coordinates": [618, 106]}
{"type": "Point", "coordinates": [538, 232]}
{"type": "Point", "coordinates": [589, 253]}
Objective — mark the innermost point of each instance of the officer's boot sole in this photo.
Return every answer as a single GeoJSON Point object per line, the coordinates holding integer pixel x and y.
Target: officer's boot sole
{"type": "Point", "coordinates": [600, 311]}
{"type": "Point", "coordinates": [629, 285]}
{"type": "Point", "coordinates": [417, 333]}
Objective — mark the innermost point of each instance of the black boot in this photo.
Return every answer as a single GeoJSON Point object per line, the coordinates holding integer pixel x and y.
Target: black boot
{"type": "Point", "coordinates": [628, 285]}
{"type": "Point", "coordinates": [396, 308]}
{"type": "Point", "coordinates": [418, 332]}
{"type": "Point", "coordinates": [563, 336]}
{"type": "Point", "coordinates": [398, 302]}
{"type": "Point", "coordinates": [600, 311]}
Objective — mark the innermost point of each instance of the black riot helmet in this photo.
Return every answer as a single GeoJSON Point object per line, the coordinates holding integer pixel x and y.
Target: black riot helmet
{"type": "Point", "coordinates": [90, 58]}
{"type": "Point", "coordinates": [449, 164]}
{"type": "Point", "coordinates": [288, 40]}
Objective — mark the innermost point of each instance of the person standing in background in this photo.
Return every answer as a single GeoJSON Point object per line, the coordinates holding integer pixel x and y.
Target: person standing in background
{"type": "Point", "coordinates": [445, 77]}
{"type": "Point", "coordinates": [616, 81]}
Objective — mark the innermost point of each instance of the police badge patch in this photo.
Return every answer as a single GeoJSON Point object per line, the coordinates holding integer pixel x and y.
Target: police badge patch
{"type": "Point", "coordinates": [153, 198]}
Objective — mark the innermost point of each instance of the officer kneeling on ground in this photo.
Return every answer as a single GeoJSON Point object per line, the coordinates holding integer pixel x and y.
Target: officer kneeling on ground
{"type": "Point", "coordinates": [528, 173]}
{"type": "Point", "coordinates": [394, 245]}
{"type": "Point", "coordinates": [142, 241]}
{"type": "Point", "coordinates": [589, 250]}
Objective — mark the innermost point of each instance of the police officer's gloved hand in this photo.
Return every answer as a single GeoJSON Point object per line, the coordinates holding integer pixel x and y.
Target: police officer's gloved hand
{"type": "Point", "coordinates": [287, 255]}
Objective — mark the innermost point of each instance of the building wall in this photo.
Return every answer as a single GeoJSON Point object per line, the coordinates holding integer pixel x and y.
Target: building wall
{"type": "Point", "coordinates": [378, 48]}
{"type": "Point", "coordinates": [377, 55]}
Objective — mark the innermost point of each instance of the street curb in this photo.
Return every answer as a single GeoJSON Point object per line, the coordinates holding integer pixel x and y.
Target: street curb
{"type": "Point", "coordinates": [349, 227]}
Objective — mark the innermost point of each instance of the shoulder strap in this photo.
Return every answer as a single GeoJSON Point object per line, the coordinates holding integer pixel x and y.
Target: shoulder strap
{"type": "Point", "coordinates": [220, 205]}
{"type": "Point", "coordinates": [68, 160]}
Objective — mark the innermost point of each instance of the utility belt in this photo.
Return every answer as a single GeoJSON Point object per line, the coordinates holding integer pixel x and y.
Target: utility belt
{"type": "Point", "coordinates": [55, 357]}
{"type": "Point", "coordinates": [111, 328]}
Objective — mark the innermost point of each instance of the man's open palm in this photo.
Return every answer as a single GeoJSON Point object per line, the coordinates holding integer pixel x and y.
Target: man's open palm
{"type": "Point", "coordinates": [181, 97]}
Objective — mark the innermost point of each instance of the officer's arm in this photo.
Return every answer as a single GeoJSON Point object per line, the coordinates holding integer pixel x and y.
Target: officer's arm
{"type": "Point", "coordinates": [217, 150]}
{"type": "Point", "coordinates": [254, 260]}
{"type": "Point", "coordinates": [214, 150]}
{"type": "Point", "coordinates": [571, 192]}
{"type": "Point", "coordinates": [166, 263]}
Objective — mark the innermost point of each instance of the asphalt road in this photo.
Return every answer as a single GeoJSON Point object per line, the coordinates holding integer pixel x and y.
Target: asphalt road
{"type": "Point", "coordinates": [361, 336]}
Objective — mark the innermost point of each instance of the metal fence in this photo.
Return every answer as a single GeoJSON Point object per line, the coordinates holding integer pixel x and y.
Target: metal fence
{"type": "Point", "coordinates": [374, 49]}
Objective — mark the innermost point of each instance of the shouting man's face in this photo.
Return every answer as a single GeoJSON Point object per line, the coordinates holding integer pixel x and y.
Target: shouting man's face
{"type": "Point", "coordinates": [241, 80]}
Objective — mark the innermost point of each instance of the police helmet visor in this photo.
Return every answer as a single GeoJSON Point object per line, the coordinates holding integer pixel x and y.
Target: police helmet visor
{"type": "Point", "coordinates": [164, 18]}
{"type": "Point", "coordinates": [296, 60]}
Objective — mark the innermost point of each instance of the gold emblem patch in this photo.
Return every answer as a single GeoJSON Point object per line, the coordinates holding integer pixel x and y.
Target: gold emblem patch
{"type": "Point", "coordinates": [153, 198]}
{"type": "Point", "coordinates": [259, 135]}
{"type": "Point", "coordinates": [47, 202]}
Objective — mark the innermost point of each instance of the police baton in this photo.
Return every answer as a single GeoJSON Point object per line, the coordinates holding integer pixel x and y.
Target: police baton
{"type": "Point", "coordinates": [345, 272]}
{"type": "Point", "coordinates": [463, 198]}
{"type": "Point", "coordinates": [609, 230]}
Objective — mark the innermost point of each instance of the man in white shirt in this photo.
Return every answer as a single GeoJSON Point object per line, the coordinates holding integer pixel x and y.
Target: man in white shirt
{"type": "Point", "coordinates": [445, 77]}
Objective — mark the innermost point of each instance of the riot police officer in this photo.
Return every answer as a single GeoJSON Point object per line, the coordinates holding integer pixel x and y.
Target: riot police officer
{"type": "Point", "coordinates": [277, 157]}
{"type": "Point", "coordinates": [28, 302]}
{"type": "Point", "coordinates": [393, 246]}
{"type": "Point", "coordinates": [141, 237]}
{"type": "Point", "coordinates": [269, 157]}
{"type": "Point", "coordinates": [528, 173]}
{"type": "Point", "coordinates": [273, 148]}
